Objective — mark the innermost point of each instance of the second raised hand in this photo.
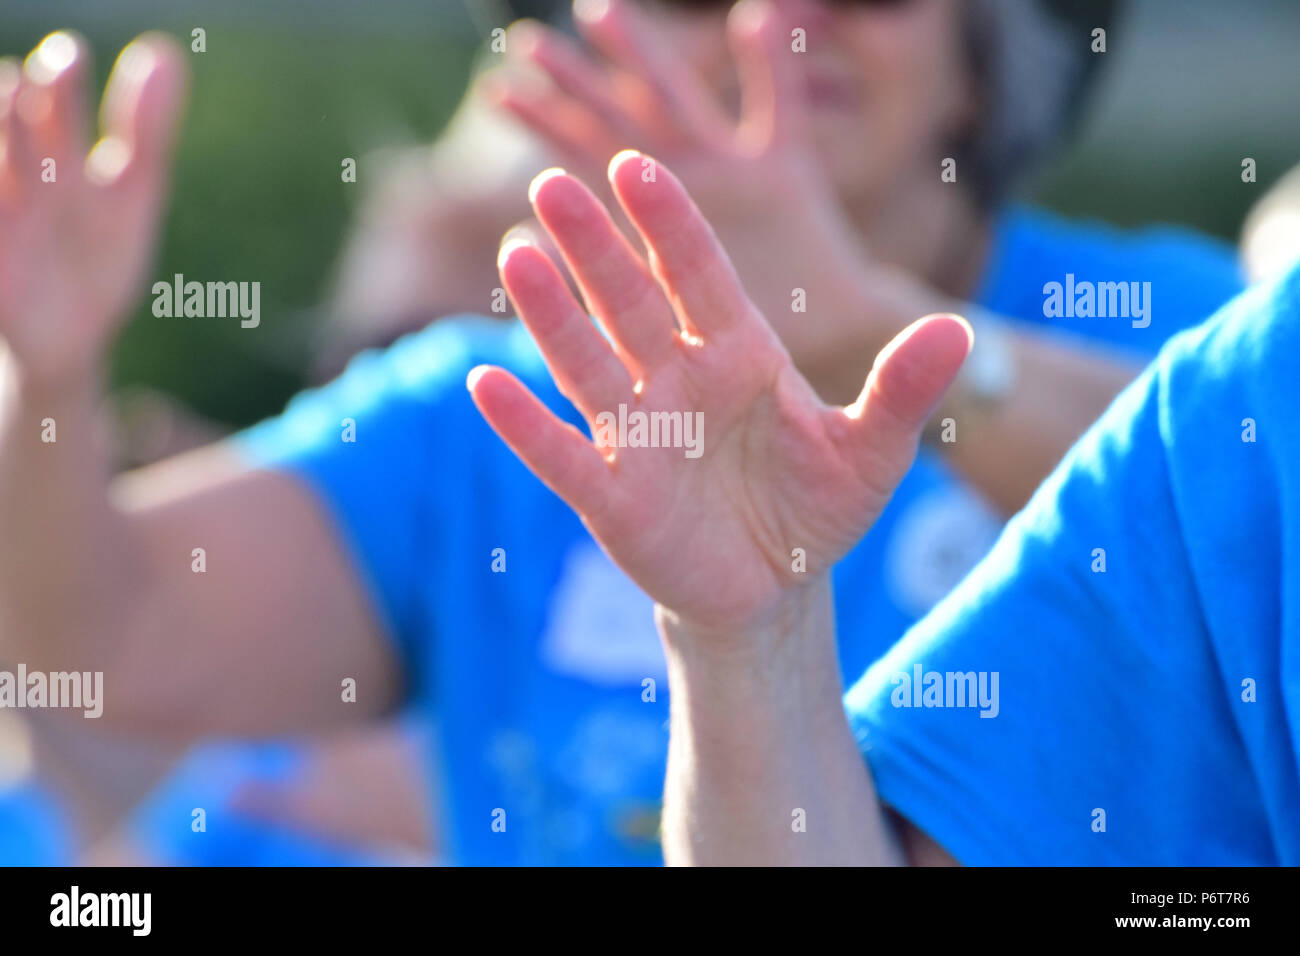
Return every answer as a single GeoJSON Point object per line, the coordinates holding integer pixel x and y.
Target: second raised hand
{"type": "Point", "coordinates": [744, 483]}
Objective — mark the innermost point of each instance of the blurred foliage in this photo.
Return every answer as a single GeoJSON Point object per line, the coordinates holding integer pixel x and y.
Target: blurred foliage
{"type": "Point", "coordinates": [258, 196]}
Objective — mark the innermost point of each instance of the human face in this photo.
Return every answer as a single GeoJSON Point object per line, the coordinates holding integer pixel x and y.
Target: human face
{"type": "Point", "coordinates": [887, 84]}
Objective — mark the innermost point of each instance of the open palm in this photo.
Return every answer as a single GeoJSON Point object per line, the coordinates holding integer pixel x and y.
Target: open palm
{"type": "Point", "coordinates": [780, 484]}
{"type": "Point", "coordinates": [78, 225]}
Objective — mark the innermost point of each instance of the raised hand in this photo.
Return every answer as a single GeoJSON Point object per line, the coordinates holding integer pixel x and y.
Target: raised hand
{"type": "Point", "coordinates": [78, 224]}
{"type": "Point", "coordinates": [709, 531]}
{"type": "Point", "coordinates": [756, 177]}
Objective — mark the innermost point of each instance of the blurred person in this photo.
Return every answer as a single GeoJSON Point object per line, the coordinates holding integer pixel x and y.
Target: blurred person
{"type": "Point", "coordinates": [461, 585]}
{"type": "Point", "coordinates": [826, 179]}
{"type": "Point", "coordinates": [1149, 713]}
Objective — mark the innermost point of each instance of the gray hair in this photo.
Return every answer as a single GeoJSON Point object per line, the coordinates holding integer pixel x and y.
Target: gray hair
{"type": "Point", "coordinates": [1033, 62]}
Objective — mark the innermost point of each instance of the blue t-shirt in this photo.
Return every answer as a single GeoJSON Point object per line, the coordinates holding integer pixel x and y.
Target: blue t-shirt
{"type": "Point", "coordinates": [1129, 289]}
{"type": "Point", "coordinates": [535, 656]}
{"type": "Point", "coordinates": [1142, 619]}
{"type": "Point", "coordinates": [34, 829]}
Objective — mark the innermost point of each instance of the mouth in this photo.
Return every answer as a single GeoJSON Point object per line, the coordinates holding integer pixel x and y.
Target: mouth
{"type": "Point", "coordinates": [827, 92]}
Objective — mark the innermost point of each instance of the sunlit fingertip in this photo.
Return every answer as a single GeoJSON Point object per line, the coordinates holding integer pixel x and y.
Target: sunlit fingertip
{"type": "Point", "coordinates": [107, 161]}
{"type": "Point", "coordinates": [970, 330]}
{"type": "Point", "coordinates": [750, 15]}
{"type": "Point", "coordinates": [621, 157]}
{"type": "Point", "coordinates": [954, 317]}
{"type": "Point", "coordinates": [52, 56]}
{"type": "Point", "coordinates": [523, 37]}
{"type": "Point", "coordinates": [508, 248]}
{"type": "Point", "coordinates": [540, 180]}
{"type": "Point", "coordinates": [136, 61]}
{"type": "Point", "coordinates": [590, 11]}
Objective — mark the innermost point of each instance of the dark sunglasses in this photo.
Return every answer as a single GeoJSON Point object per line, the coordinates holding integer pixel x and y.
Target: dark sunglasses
{"type": "Point", "coordinates": [712, 4]}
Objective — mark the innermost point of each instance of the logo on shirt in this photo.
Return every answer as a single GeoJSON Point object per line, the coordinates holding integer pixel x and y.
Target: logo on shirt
{"type": "Point", "coordinates": [601, 626]}
{"type": "Point", "coordinates": [939, 538]}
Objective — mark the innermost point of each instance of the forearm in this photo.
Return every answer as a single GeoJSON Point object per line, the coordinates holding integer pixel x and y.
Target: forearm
{"type": "Point", "coordinates": [762, 767]}
{"type": "Point", "coordinates": [68, 574]}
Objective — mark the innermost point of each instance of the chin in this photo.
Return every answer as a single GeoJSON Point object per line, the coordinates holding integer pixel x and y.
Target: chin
{"type": "Point", "coordinates": [851, 171]}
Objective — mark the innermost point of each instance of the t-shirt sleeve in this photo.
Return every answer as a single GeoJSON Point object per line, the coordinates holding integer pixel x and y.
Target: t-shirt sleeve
{"type": "Point", "coordinates": [1077, 698]}
{"type": "Point", "coordinates": [398, 455]}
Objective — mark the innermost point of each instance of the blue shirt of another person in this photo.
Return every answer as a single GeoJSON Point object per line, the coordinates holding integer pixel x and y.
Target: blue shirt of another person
{"type": "Point", "coordinates": [1141, 617]}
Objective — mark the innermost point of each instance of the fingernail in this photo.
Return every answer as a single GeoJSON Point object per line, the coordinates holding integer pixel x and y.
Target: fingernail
{"type": "Point", "coordinates": [541, 178]}
{"type": "Point", "coordinates": [476, 373]}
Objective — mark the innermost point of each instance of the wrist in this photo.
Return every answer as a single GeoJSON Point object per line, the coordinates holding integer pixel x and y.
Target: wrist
{"type": "Point", "coordinates": [784, 620]}
{"type": "Point", "coordinates": [78, 385]}
{"type": "Point", "coordinates": [778, 658]}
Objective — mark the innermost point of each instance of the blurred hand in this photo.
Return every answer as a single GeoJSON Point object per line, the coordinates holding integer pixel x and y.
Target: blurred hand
{"type": "Point", "coordinates": [711, 537]}
{"type": "Point", "coordinates": [362, 788]}
{"type": "Point", "coordinates": [758, 180]}
{"type": "Point", "coordinates": [78, 225]}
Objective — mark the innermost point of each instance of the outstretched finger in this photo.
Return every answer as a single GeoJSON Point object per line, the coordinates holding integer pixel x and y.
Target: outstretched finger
{"type": "Point", "coordinates": [568, 126]}
{"type": "Point", "coordinates": [634, 42]}
{"type": "Point", "coordinates": [139, 115]}
{"type": "Point", "coordinates": [16, 162]}
{"type": "Point", "coordinates": [905, 386]}
{"type": "Point", "coordinates": [613, 278]}
{"type": "Point", "coordinates": [688, 259]}
{"type": "Point", "coordinates": [580, 360]}
{"type": "Point", "coordinates": [555, 451]}
{"type": "Point", "coordinates": [575, 75]}
{"type": "Point", "coordinates": [55, 78]}
{"type": "Point", "coordinates": [771, 107]}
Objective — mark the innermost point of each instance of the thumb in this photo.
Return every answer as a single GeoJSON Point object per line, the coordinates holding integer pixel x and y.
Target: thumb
{"type": "Point", "coordinates": [906, 383]}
